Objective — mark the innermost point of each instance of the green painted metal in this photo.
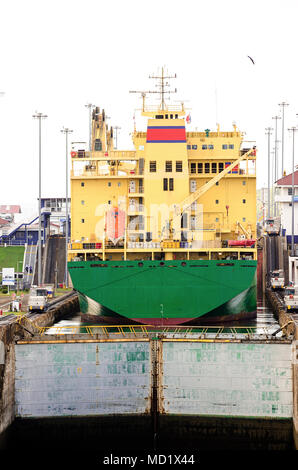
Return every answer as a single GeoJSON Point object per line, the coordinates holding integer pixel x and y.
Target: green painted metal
{"type": "Point", "coordinates": [168, 290]}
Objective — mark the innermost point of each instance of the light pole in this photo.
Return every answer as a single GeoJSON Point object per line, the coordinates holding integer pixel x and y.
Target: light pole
{"type": "Point", "coordinates": [272, 176]}
{"type": "Point", "coordinates": [275, 158]}
{"type": "Point", "coordinates": [18, 273]}
{"type": "Point", "coordinates": [39, 116]}
{"type": "Point", "coordinates": [293, 129]}
{"type": "Point", "coordinates": [268, 129]}
{"type": "Point", "coordinates": [276, 163]}
{"type": "Point", "coordinates": [66, 131]}
{"type": "Point", "coordinates": [283, 104]}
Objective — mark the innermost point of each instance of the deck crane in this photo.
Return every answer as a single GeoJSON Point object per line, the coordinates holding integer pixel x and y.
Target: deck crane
{"type": "Point", "coordinates": [186, 203]}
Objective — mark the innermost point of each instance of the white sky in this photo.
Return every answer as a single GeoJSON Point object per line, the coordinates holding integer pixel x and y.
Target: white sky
{"type": "Point", "coordinates": [56, 56]}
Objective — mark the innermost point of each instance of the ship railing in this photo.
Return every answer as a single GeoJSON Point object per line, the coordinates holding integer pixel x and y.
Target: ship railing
{"type": "Point", "coordinates": [169, 108]}
{"type": "Point", "coordinates": [129, 155]}
{"type": "Point", "coordinates": [136, 208]}
{"type": "Point", "coordinates": [135, 227]}
{"type": "Point", "coordinates": [166, 333]}
{"type": "Point", "coordinates": [91, 171]}
{"type": "Point", "coordinates": [213, 134]}
{"type": "Point", "coordinates": [136, 190]}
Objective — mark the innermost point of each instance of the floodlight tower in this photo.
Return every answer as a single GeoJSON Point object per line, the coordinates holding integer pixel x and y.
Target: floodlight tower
{"type": "Point", "coordinates": [293, 130]}
{"type": "Point", "coordinates": [283, 104]}
{"type": "Point", "coordinates": [39, 116]}
{"type": "Point", "coordinates": [268, 132]}
{"type": "Point", "coordinates": [66, 131]}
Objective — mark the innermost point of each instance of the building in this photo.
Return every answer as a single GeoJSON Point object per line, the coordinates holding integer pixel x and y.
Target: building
{"type": "Point", "coordinates": [3, 222]}
{"type": "Point", "coordinates": [8, 212]}
{"type": "Point", "coordinates": [57, 208]}
{"type": "Point", "coordinates": [26, 232]}
{"type": "Point", "coordinates": [283, 194]}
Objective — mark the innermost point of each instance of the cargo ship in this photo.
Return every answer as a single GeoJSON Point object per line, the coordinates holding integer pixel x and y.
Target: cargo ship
{"type": "Point", "coordinates": [164, 234]}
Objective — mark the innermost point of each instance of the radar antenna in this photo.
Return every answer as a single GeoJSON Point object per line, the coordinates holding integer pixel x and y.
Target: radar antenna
{"type": "Point", "coordinates": [162, 84]}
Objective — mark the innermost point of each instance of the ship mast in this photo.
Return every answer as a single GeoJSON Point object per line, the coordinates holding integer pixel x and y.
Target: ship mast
{"type": "Point", "coordinates": [162, 86]}
{"type": "Point", "coordinates": [162, 91]}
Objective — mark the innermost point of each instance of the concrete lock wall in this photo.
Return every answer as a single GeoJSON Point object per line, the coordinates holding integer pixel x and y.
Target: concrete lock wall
{"type": "Point", "coordinates": [180, 377]}
{"type": "Point", "coordinates": [227, 379]}
{"type": "Point", "coordinates": [82, 379]}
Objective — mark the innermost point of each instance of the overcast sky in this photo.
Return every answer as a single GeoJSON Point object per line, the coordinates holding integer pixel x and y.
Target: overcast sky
{"type": "Point", "coordinates": [57, 56]}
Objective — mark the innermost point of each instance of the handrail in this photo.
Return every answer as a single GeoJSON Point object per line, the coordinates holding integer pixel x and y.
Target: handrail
{"type": "Point", "coordinates": [197, 332]}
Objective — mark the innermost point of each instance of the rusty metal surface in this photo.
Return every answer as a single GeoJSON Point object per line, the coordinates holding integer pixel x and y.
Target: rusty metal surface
{"type": "Point", "coordinates": [82, 379]}
{"type": "Point", "coordinates": [226, 379]}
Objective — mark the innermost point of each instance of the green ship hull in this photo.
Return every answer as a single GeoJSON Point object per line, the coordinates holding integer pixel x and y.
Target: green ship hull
{"type": "Point", "coordinates": [165, 293]}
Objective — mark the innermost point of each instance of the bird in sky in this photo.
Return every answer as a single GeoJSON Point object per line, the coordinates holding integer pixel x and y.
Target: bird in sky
{"type": "Point", "coordinates": [251, 59]}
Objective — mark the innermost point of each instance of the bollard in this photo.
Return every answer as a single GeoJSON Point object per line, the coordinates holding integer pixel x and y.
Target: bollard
{"type": "Point", "coordinates": [1, 312]}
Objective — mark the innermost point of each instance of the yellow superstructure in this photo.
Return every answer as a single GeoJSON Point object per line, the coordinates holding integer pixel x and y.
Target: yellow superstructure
{"type": "Point", "coordinates": [182, 194]}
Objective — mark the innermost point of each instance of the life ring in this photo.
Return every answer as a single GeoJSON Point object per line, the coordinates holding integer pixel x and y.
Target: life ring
{"type": "Point", "coordinates": [73, 154]}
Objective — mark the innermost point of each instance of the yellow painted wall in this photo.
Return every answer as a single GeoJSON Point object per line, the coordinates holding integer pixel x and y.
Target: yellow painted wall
{"type": "Point", "coordinates": [230, 190]}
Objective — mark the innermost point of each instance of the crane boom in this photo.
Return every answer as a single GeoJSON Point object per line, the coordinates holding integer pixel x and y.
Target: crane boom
{"type": "Point", "coordinates": [184, 205]}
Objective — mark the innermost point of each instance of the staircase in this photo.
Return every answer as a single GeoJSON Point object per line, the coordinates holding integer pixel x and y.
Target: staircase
{"type": "Point", "coordinates": [29, 265]}
{"type": "Point", "coordinates": [54, 261]}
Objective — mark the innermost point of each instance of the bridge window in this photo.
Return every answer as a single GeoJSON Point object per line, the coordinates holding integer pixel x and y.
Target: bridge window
{"type": "Point", "coordinates": [220, 167]}
{"type": "Point", "coordinates": [216, 201]}
{"type": "Point", "coordinates": [193, 168]}
{"type": "Point", "coordinates": [207, 167]}
{"type": "Point", "coordinates": [83, 221]}
{"type": "Point", "coordinates": [204, 147]}
{"type": "Point", "coordinates": [194, 147]}
{"type": "Point", "coordinates": [224, 147]}
{"type": "Point", "coordinates": [188, 147]}
{"type": "Point", "coordinates": [98, 145]}
{"type": "Point", "coordinates": [244, 201]}
{"type": "Point", "coordinates": [211, 147]}
{"type": "Point", "coordinates": [168, 166]}
{"type": "Point", "coordinates": [168, 184]}
{"type": "Point", "coordinates": [214, 167]}
{"type": "Point", "coordinates": [152, 166]}
{"type": "Point", "coordinates": [179, 166]}
{"type": "Point", "coordinates": [200, 167]}
{"type": "Point", "coordinates": [231, 146]}
{"type": "Point", "coordinates": [82, 184]}
{"type": "Point", "coordinates": [109, 183]}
